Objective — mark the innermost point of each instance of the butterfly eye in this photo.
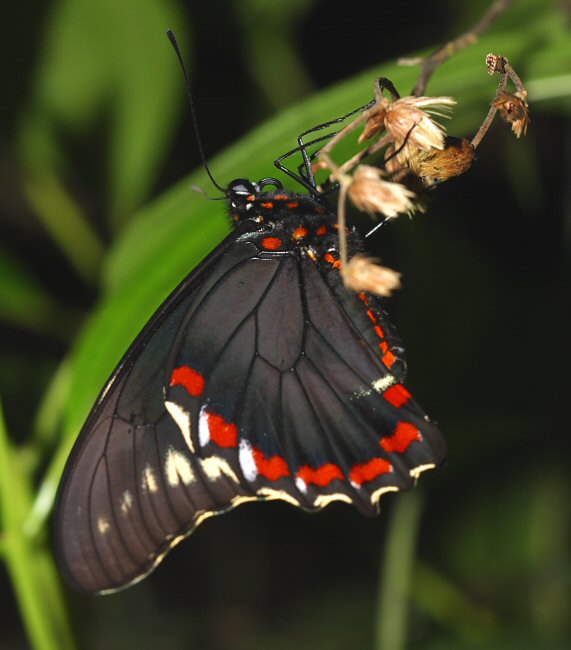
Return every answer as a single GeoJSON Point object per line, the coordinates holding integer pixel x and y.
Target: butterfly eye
{"type": "Point", "coordinates": [242, 187]}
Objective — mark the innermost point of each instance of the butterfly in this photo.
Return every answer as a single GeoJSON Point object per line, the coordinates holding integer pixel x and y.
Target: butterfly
{"type": "Point", "coordinates": [260, 377]}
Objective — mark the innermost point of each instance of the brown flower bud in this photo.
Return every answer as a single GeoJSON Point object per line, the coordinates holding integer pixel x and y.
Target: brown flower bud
{"type": "Point", "coordinates": [440, 165]}
{"type": "Point", "coordinates": [514, 110]}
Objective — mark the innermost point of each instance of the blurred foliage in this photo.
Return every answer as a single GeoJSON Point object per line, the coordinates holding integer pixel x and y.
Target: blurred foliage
{"type": "Point", "coordinates": [96, 232]}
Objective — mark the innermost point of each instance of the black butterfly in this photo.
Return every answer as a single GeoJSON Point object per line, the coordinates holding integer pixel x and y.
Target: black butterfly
{"type": "Point", "coordinates": [261, 377]}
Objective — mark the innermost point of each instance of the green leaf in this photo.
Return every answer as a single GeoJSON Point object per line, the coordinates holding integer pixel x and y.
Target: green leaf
{"type": "Point", "coordinates": [108, 58]}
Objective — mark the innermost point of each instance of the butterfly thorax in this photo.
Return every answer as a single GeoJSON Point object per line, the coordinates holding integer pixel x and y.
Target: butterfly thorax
{"type": "Point", "coordinates": [283, 221]}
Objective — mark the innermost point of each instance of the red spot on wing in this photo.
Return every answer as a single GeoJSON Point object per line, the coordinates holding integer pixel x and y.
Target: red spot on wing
{"type": "Point", "coordinates": [272, 243]}
{"type": "Point", "coordinates": [388, 359]}
{"type": "Point", "coordinates": [371, 315]}
{"type": "Point", "coordinates": [319, 210]}
{"type": "Point", "coordinates": [321, 230]}
{"type": "Point", "coordinates": [281, 197]}
{"type": "Point", "coordinates": [224, 434]}
{"type": "Point", "coordinates": [405, 434]}
{"type": "Point", "coordinates": [384, 346]}
{"type": "Point", "coordinates": [369, 471]}
{"type": "Point", "coordinates": [321, 476]}
{"type": "Point", "coordinates": [190, 378]}
{"type": "Point", "coordinates": [363, 297]}
{"type": "Point", "coordinates": [272, 468]}
{"type": "Point", "coordinates": [397, 395]}
{"type": "Point", "coordinates": [379, 331]}
{"type": "Point", "coordinates": [268, 205]}
{"type": "Point", "coordinates": [293, 205]}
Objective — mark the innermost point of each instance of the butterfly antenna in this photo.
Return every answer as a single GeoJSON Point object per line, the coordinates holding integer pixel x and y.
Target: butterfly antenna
{"type": "Point", "coordinates": [176, 48]}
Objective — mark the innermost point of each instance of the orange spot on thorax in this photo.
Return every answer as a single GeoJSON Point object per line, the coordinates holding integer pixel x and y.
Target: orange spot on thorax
{"type": "Point", "coordinates": [272, 243]}
{"type": "Point", "coordinates": [299, 233]}
{"type": "Point", "coordinates": [331, 259]}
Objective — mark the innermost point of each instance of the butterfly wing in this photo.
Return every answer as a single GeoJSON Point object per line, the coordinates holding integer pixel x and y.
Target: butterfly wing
{"type": "Point", "coordinates": [120, 505]}
{"type": "Point", "coordinates": [255, 380]}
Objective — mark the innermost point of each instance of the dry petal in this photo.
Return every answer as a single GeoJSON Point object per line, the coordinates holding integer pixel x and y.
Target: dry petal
{"type": "Point", "coordinates": [363, 274]}
{"type": "Point", "coordinates": [374, 125]}
{"type": "Point", "coordinates": [370, 193]}
{"type": "Point", "coordinates": [408, 120]}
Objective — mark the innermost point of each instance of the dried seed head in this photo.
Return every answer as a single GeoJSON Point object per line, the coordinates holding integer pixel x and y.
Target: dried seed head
{"type": "Point", "coordinates": [370, 193]}
{"type": "Point", "coordinates": [495, 63]}
{"type": "Point", "coordinates": [514, 110]}
{"type": "Point", "coordinates": [408, 120]}
{"type": "Point", "coordinates": [440, 165]}
{"type": "Point", "coordinates": [362, 274]}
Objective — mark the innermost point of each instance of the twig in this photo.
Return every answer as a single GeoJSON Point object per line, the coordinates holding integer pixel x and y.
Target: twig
{"type": "Point", "coordinates": [442, 54]}
{"type": "Point", "coordinates": [501, 65]}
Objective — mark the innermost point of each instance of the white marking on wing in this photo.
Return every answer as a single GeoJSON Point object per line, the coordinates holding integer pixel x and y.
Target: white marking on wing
{"type": "Point", "coordinates": [149, 483]}
{"type": "Point", "coordinates": [203, 428]}
{"type": "Point", "coordinates": [301, 485]}
{"type": "Point", "coordinates": [182, 419]}
{"type": "Point", "coordinates": [126, 502]}
{"type": "Point", "coordinates": [178, 468]}
{"type": "Point", "coordinates": [381, 384]}
{"type": "Point", "coordinates": [247, 462]}
{"type": "Point", "coordinates": [103, 525]}
{"type": "Point", "coordinates": [377, 494]}
{"type": "Point", "coordinates": [325, 499]}
{"type": "Point", "coordinates": [282, 495]}
{"type": "Point", "coordinates": [215, 467]}
{"type": "Point", "coordinates": [415, 472]}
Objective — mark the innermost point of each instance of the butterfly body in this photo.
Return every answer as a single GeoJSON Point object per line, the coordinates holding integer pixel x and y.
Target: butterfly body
{"type": "Point", "coordinates": [261, 377]}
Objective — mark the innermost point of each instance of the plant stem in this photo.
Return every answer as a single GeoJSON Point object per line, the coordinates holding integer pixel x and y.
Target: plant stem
{"type": "Point", "coordinates": [396, 573]}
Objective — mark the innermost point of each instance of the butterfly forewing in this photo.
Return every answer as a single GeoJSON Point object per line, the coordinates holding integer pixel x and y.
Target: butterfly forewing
{"type": "Point", "coordinates": [262, 377]}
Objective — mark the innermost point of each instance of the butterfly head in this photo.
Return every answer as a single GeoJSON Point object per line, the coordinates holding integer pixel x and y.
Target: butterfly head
{"type": "Point", "coordinates": [241, 190]}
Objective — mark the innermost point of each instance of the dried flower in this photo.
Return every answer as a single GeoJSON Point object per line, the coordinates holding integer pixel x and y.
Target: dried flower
{"type": "Point", "coordinates": [495, 63]}
{"type": "Point", "coordinates": [439, 165]}
{"type": "Point", "coordinates": [361, 273]}
{"type": "Point", "coordinates": [408, 120]}
{"type": "Point", "coordinates": [370, 193]}
{"type": "Point", "coordinates": [376, 123]}
{"type": "Point", "coordinates": [514, 110]}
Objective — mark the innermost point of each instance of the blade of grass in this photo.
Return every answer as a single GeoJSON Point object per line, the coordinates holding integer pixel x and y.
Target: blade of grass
{"type": "Point", "coordinates": [29, 563]}
{"type": "Point", "coordinates": [63, 219]}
